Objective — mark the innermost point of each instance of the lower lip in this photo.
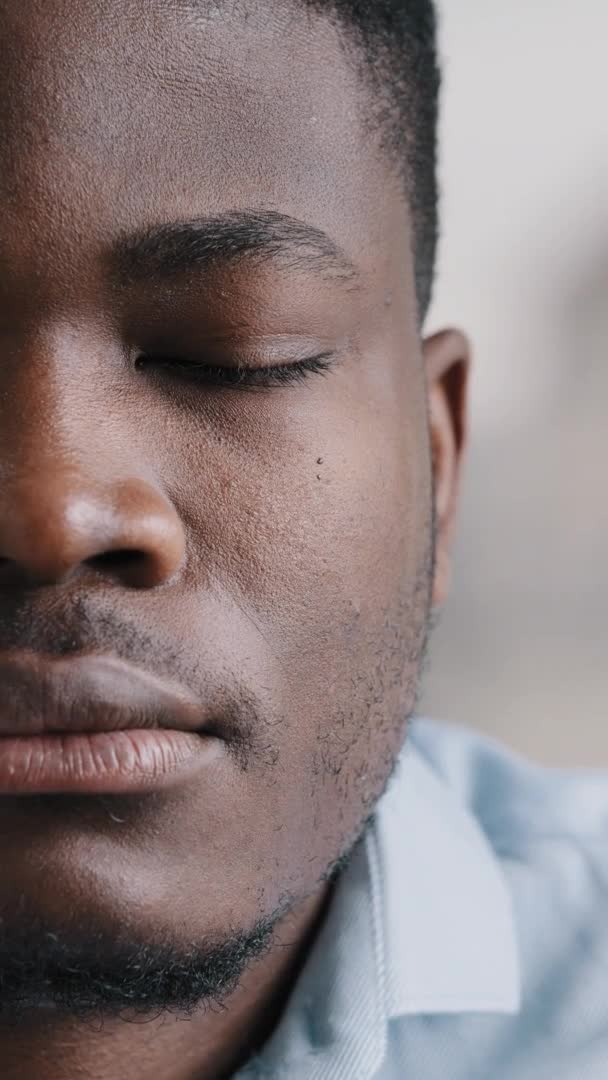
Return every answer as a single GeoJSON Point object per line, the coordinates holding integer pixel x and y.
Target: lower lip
{"type": "Point", "coordinates": [104, 762]}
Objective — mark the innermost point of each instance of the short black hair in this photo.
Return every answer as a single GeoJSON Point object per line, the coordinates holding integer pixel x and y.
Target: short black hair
{"type": "Point", "coordinates": [397, 39]}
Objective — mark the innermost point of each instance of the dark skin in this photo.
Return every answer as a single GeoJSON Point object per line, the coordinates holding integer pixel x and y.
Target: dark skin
{"type": "Point", "coordinates": [270, 547]}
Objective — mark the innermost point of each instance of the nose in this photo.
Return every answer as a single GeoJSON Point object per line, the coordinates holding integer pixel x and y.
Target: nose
{"type": "Point", "coordinates": [55, 525]}
{"type": "Point", "coordinates": [78, 489]}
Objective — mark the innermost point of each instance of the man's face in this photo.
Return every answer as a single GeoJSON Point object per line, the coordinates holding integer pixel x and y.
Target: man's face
{"type": "Point", "coordinates": [268, 548]}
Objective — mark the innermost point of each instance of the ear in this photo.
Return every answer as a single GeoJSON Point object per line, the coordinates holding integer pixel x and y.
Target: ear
{"type": "Point", "coordinates": [447, 360]}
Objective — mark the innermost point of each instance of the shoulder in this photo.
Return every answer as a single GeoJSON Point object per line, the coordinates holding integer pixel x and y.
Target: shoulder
{"type": "Point", "coordinates": [515, 801]}
{"type": "Point", "coordinates": [548, 830]}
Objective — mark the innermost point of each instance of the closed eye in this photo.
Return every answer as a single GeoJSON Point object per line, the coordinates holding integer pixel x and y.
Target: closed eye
{"type": "Point", "coordinates": [240, 376]}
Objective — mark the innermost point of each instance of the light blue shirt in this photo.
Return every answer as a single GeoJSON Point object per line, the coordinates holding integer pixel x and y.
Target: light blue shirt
{"type": "Point", "coordinates": [468, 937]}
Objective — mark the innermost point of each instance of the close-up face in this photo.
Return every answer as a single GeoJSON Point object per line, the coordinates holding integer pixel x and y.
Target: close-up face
{"type": "Point", "coordinates": [191, 195]}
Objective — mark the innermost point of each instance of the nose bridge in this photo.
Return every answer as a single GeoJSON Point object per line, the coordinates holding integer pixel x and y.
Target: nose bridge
{"type": "Point", "coordinates": [74, 492]}
{"type": "Point", "coordinates": [57, 428]}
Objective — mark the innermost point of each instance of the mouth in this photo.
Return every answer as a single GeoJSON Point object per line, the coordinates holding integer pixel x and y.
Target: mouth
{"type": "Point", "coordinates": [94, 724]}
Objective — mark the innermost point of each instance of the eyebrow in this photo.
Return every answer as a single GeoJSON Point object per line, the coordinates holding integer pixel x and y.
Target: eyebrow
{"type": "Point", "coordinates": [173, 248]}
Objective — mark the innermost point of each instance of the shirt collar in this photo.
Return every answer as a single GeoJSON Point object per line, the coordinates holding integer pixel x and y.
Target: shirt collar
{"type": "Point", "coordinates": [449, 935]}
{"type": "Point", "coordinates": [420, 922]}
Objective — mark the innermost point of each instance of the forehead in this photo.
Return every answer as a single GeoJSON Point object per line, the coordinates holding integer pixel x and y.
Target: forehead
{"type": "Point", "coordinates": [182, 108]}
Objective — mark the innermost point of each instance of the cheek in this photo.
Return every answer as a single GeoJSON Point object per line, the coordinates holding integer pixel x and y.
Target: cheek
{"type": "Point", "coordinates": [313, 511]}
{"type": "Point", "coordinates": [324, 528]}
{"type": "Point", "coordinates": [325, 556]}
{"type": "Point", "coordinates": [340, 566]}
{"type": "Point", "coordinates": [341, 529]}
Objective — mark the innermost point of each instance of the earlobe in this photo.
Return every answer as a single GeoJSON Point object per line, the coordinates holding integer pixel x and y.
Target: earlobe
{"type": "Point", "coordinates": [447, 360]}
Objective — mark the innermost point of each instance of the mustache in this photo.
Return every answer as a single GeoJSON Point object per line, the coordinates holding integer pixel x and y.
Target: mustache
{"type": "Point", "coordinates": [77, 624]}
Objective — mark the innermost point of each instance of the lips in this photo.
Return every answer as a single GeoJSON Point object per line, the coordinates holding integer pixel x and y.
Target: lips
{"type": "Point", "coordinates": [95, 724]}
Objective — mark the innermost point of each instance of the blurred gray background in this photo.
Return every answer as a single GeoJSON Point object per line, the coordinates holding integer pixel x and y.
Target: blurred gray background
{"type": "Point", "coordinates": [521, 648]}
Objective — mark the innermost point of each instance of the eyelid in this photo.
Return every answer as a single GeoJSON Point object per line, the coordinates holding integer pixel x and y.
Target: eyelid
{"type": "Point", "coordinates": [269, 350]}
{"type": "Point", "coordinates": [244, 376]}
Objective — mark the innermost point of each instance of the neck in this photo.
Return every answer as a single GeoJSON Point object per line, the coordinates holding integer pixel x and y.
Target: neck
{"type": "Point", "coordinates": [212, 1043]}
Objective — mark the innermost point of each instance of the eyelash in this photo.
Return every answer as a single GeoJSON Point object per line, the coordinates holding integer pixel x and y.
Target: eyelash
{"type": "Point", "coordinates": [240, 377]}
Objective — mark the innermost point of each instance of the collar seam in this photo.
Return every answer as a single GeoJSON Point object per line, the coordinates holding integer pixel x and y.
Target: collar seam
{"type": "Point", "coordinates": [377, 912]}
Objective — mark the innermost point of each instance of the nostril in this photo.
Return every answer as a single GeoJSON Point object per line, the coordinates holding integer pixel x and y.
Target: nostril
{"type": "Point", "coordinates": [135, 568]}
{"type": "Point", "coordinates": [115, 559]}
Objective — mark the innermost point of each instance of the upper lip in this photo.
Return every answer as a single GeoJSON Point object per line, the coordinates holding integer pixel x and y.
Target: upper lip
{"type": "Point", "coordinates": [89, 693]}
